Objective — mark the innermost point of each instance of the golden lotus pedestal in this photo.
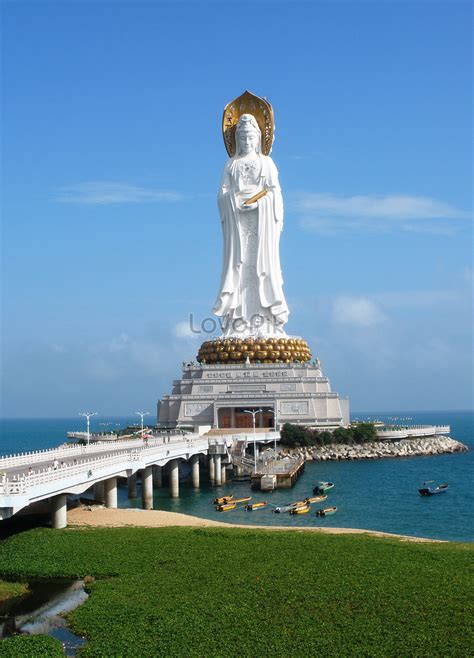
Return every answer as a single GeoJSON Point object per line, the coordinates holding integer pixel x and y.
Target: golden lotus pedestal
{"type": "Point", "coordinates": [254, 350]}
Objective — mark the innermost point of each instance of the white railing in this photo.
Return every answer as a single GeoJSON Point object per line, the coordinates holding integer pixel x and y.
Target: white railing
{"type": "Point", "coordinates": [269, 366]}
{"type": "Point", "coordinates": [76, 449]}
{"type": "Point", "coordinates": [225, 395]}
{"type": "Point", "coordinates": [401, 432]}
{"type": "Point", "coordinates": [278, 466]}
{"type": "Point", "coordinates": [19, 484]}
{"type": "Point", "coordinates": [95, 436]}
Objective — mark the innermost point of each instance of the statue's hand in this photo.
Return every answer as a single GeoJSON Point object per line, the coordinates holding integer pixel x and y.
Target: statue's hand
{"type": "Point", "coordinates": [251, 206]}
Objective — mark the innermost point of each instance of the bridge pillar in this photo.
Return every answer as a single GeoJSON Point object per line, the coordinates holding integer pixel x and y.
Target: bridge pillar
{"type": "Point", "coordinates": [110, 491]}
{"type": "Point", "coordinates": [218, 470]}
{"type": "Point", "coordinates": [59, 511]}
{"type": "Point", "coordinates": [212, 469]}
{"type": "Point", "coordinates": [223, 475]}
{"type": "Point", "coordinates": [132, 486]}
{"type": "Point", "coordinates": [238, 470]}
{"type": "Point", "coordinates": [174, 478]}
{"type": "Point", "coordinates": [195, 470]}
{"type": "Point", "coordinates": [99, 492]}
{"type": "Point", "coordinates": [147, 488]}
{"type": "Point", "coordinates": [157, 477]}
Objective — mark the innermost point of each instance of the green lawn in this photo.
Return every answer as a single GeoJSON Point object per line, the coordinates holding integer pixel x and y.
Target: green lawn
{"type": "Point", "coordinates": [11, 590]}
{"type": "Point", "coordinates": [230, 592]}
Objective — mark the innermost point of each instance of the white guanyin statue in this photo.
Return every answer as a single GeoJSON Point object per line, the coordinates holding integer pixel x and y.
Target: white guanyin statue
{"type": "Point", "coordinates": [251, 300]}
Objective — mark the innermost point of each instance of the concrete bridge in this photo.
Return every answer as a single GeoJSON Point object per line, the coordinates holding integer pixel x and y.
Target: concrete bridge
{"type": "Point", "coordinates": [28, 478]}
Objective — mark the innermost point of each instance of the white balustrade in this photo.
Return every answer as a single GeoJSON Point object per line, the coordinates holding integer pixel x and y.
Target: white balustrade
{"type": "Point", "coordinates": [137, 451]}
{"type": "Point", "coordinates": [26, 458]}
{"type": "Point", "coordinates": [403, 432]}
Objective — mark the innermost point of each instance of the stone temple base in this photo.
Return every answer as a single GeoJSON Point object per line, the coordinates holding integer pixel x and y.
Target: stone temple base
{"type": "Point", "coordinates": [213, 396]}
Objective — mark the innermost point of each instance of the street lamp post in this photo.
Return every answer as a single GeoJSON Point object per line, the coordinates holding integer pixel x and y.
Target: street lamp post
{"type": "Point", "coordinates": [142, 414]}
{"type": "Point", "coordinates": [88, 415]}
{"type": "Point", "coordinates": [274, 434]}
{"type": "Point", "coordinates": [254, 413]}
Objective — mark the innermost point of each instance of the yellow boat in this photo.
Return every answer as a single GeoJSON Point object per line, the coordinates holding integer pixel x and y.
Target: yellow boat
{"type": "Point", "coordinates": [225, 507]}
{"type": "Point", "coordinates": [315, 499]}
{"type": "Point", "coordinates": [223, 500]}
{"type": "Point", "coordinates": [327, 511]}
{"type": "Point", "coordinates": [253, 506]}
{"type": "Point", "coordinates": [301, 509]}
{"type": "Point", "coordinates": [300, 503]}
{"type": "Point", "coordinates": [242, 500]}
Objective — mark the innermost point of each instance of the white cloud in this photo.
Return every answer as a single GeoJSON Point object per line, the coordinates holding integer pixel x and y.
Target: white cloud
{"type": "Point", "coordinates": [117, 356]}
{"type": "Point", "coordinates": [105, 193]}
{"type": "Point", "coordinates": [330, 214]}
{"type": "Point", "coordinates": [183, 330]}
{"type": "Point", "coordinates": [421, 299]}
{"type": "Point", "coordinates": [358, 311]}
{"type": "Point", "coordinates": [118, 343]}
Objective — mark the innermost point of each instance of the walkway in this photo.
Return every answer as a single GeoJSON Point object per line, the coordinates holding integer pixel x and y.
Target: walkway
{"type": "Point", "coordinates": [29, 478]}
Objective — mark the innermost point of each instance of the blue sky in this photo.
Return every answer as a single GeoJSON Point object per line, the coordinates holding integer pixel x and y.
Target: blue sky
{"type": "Point", "coordinates": [113, 154]}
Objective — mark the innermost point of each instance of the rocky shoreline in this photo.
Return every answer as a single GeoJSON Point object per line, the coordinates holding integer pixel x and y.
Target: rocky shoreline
{"type": "Point", "coordinates": [416, 447]}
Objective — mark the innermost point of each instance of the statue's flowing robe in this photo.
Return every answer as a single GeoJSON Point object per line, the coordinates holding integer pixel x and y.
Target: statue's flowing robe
{"type": "Point", "coordinates": [230, 303]}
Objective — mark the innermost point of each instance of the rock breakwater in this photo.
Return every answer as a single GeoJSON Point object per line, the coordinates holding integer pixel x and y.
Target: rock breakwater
{"type": "Point", "coordinates": [418, 447]}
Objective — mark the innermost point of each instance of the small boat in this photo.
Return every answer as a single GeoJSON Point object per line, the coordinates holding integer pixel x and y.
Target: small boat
{"type": "Point", "coordinates": [225, 507]}
{"type": "Point", "coordinates": [327, 511]}
{"type": "Point", "coordinates": [287, 508]}
{"type": "Point", "coordinates": [222, 500]}
{"type": "Point", "coordinates": [241, 500]}
{"type": "Point", "coordinates": [283, 508]}
{"type": "Point", "coordinates": [301, 509]}
{"type": "Point", "coordinates": [428, 490]}
{"type": "Point", "coordinates": [322, 487]}
{"type": "Point", "coordinates": [315, 499]}
{"type": "Point", "coordinates": [251, 506]}
{"type": "Point", "coordinates": [300, 503]}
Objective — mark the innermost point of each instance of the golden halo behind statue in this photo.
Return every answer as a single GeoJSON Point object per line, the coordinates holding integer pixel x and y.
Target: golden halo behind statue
{"type": "Point", "coordinates": [261, 109]}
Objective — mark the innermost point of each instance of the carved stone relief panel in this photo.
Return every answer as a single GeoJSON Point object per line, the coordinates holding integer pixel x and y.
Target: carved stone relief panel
{"type": "Point", "coordinates": [294, 408]}
{"type": "Point", "coordinates": [192, 409]}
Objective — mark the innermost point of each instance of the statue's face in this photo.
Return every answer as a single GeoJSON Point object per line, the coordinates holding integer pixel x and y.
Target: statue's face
{"type": "Point", "coordinates": [248, 141]}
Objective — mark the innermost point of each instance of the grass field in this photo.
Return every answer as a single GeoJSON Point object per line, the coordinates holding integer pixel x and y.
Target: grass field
{"type": "Point", "coordinates": [228, 592]}
{"type": "Point", "coordinates": [11, 590]}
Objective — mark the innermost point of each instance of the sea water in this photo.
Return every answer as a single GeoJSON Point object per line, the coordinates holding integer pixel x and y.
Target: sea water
{"type": "Point", "coordinates": [369, 494]}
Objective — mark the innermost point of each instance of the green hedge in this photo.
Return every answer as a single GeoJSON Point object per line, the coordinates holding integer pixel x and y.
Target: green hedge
{"type": "Point", "coordinates": [295, 436]}
{"type": "Point", "coordinates": [31, 646]}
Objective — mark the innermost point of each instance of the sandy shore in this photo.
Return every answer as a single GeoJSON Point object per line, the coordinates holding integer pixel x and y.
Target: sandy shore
{"type": "Point", "coordinates": [118, 518]}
